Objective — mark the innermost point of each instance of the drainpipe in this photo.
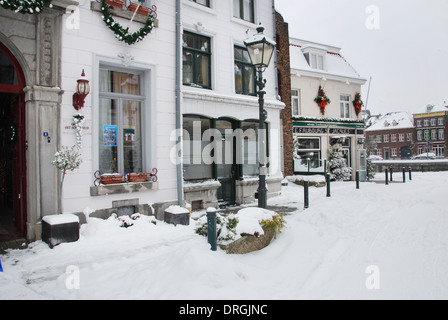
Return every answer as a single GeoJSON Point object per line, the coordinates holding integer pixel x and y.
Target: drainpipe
{"type": "Point", "coordinates": [180, 191]}
{"type": "Point", "coordinates": [277, 95]}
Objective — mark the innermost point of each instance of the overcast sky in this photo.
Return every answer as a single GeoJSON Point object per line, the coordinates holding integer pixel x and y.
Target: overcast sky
{"type": "Point", "coordinates": [401, 44]}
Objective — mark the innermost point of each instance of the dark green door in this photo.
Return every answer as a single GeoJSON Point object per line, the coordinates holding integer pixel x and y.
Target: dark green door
{"type": "Point", "coordinates": [227, 169]}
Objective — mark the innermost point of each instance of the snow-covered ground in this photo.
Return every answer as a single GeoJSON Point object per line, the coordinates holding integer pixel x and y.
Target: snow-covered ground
{"type": "Point", "coordinates": [378, 242]}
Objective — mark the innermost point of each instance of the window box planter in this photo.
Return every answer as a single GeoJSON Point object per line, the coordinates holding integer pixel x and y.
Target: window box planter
{"type": "Point", "coordinates": [112, 178]}
{"type": "Point", "coordinates": [142, 10]}
{"type": "Point", "coordinates": [116, 3]}
{"type": "Point", "coordinates": [60, 228]}
{"type": "Point", "coordinates": [137, 177]}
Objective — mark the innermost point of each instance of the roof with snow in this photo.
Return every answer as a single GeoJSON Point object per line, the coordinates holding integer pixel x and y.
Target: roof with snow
{"type": "Point", "coordinates": [392, 120]}
{"type": "Point", "coordinates": [433, 108]}
{"type": "Point", "coordinates": [336, 64]}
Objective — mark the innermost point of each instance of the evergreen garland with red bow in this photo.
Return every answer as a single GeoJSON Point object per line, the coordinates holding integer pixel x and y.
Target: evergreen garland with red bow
{"type": "Point", "coordinates": [322, 100]}
{"type": "Point", "coordinates": [357, 103]}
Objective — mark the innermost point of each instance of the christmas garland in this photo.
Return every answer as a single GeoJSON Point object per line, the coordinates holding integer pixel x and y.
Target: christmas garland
{"type": "Point", "coordinates": [357, 103]}
{"type": "Point", "coordinates": [322, 100]}
{"type": "Point", "coordinates": [25, 6]}
{"type": "Point", "coordinates": [121, 33]}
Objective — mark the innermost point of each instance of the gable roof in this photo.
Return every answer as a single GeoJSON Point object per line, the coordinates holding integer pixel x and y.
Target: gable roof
{"type": "Point", "coordinates": [392, 120]}
{"type": "Point", "coordinates": [337, 66]}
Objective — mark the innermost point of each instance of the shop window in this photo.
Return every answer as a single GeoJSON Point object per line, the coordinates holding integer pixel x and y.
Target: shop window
{"type": "Point", "coordinates": [121, 111]}
{"type": "Point", "coordinates": [195, 139]}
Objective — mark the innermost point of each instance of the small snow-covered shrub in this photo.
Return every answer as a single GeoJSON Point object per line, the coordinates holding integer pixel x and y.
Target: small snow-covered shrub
{"type": "Point", "coordinates": [225, 227]}
{"type": "Point", "coordinates": [276, 224]}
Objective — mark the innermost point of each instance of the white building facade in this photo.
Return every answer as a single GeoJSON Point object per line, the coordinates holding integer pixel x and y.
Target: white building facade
{"type": "Point", "coordinates": [183, 69]}
{"type": "Point", "coordinates": [324, 87]}
{"type": "Point", "coordinates": [219, 97]}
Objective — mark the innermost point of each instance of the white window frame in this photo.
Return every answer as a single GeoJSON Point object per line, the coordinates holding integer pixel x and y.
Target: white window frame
{"type": "Point", "coordinates": [295, 98]}
{"type": "Point", "coordinates": [393, 137]}
{"type": "Point", "coordinates": [386, 138]}
{"type": "Point", "coordinates": [441, 134]}
{"type": "Point", "coordinates": [440, 121]}
{"type": "Point", "coordinates": [401, 137]}
{"type": "Point", "coordinates": [419, 135]}
{"type": "Point", "coordinates": [344, 106]}
{"type": "Point", "coordinates": [148, 90]}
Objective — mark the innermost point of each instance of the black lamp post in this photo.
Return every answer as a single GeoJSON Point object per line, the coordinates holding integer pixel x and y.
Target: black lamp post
{"type": "Point", "coordinates": [260, 50]}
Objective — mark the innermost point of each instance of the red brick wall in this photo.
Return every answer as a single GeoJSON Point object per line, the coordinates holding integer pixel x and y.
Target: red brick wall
{"type": "Point", "coordinates": [284, 85]}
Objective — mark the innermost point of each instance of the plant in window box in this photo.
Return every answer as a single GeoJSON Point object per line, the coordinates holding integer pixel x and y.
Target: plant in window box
{"type": "Point", "coordinates": [115, 3]}
{"type": "Point", "coordinates": [111, 178]}
{"type": "Point", "coordinates": [137, 177]}
{"type": "Point", "coordinates": [141, 8]}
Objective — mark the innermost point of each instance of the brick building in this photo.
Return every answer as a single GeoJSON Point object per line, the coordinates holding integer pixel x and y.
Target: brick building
{"type": "Point", "coordinates": [390, 136]}
{"type": "Point", "coordinates": [284, 90]}
{"type": "Point", "coordinates": [431, 128]}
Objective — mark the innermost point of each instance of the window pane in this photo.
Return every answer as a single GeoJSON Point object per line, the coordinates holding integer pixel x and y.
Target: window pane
{"type": "Point", "coordinates": [203, 70]}
{"type": "Point", "coordinates": [193, 144]}
{"type": "Point", "coordinates": [236, 9]}
{"type": "Point", "coordinates": [119, 82]}
{"type": "Point", "coordinates": [249, 80]}
{"type": "Point", "coordinates": [7, 72]}
{"type": "Point", "coordinates": [250, 145]}
{"type": "Point", "coordinates": [187, 67]}
{"type": "Point", "coordinates": [108, 138]}
{"type": "Point", "coordinates": [132, 137]}
{"type": "Point", "coordinates": [238, 79]}
{"type": "Point", "coordinates": [248, 10]}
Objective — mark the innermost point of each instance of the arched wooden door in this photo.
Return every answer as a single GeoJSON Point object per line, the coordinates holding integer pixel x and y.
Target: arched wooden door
{"type": "Point", "coordinates": [13, 199]}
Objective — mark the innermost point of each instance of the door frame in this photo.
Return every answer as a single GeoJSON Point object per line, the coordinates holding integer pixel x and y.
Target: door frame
{"type": "Point", "coordinates": [20, 184]}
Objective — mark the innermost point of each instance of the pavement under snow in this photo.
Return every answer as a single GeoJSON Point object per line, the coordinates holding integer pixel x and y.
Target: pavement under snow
{"type": "Point", "coordinates": [378, 242]}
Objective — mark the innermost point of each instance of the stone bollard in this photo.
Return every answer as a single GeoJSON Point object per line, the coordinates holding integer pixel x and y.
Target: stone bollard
{"type": "Point", "coordinates": [211, 228]}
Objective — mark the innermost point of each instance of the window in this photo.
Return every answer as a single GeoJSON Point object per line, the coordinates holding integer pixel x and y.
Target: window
{"type": "Point", "coordinates": [426, 122]}
{"type": "Point", "coordinates": [295, 101]}
{"type": "Point", "coordinates": [433, 134]}
{"type": "Point", "coordinates": [426, 135]}
{"type": "Point", "coordinates": [433, 122]}
{"type": "Point", "coordinates": [244, 72]}
{"type": "Point", "coordinates": [194, 142]}
{"type": "Point", "coordinates": [121, 110]}
{"type": "Point", "coordinates": [205, 3]}
{"type": "Point", "coordinates": [308, 152]}
{"type": "Point", "coordinates": [419, 123]}
{"type": "Point", "coordinates": [251, 166]}
{"type": "Point", "coordinates": [393, 138]}
{"type": "Point", "coordinates": [196, 60]}
{"type": "Point", "coordinates": [244, 9]}
{"type": "Point", "coordinates": [440, 121]}
{"type": "Point", "coordinates": [345, 106]}
{"type": "Point", "coordinates": [394, 152]}
{"type": "Point", "coordinates": [439, 150]}
{"type": "Point", "coordinates": [441, 134]}
{"type": "Point", "coordinates": [409, 136]}
{"type": "Point", "coordinates": [386, 138]}
{"type": "Point", "coordinates": [378, 139]}
{"type": "Point", "coordinates": [419, 135]}
{"type": "Point", "coordinates": [317, 61]}
{"type": "Point", "coordinates": [401, 137]}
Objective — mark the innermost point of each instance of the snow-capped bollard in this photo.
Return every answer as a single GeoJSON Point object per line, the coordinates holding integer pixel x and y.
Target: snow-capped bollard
{"type": "Point", "coordinates": [306, 186]}
{"type": "Point", "coordinates": [410, 173]}
{"type": "Point", "coordinates": [211, 228]}
{"type": "Point", "coordinates": [387, 176]}
{"type": "Point", "coordinates": [391, 174]}
{"type": "Point", "coordinates": [404, 174]}
{"type": "Point", "coordinates": [327, 178]}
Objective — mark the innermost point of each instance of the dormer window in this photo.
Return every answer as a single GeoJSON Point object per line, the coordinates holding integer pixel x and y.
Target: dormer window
{"type": "Point", "coordinates": [395, 123]}
{"type": "Point", "coordinates": [315, 56]}
{"type": "Point", "coordinates": [386, 124]}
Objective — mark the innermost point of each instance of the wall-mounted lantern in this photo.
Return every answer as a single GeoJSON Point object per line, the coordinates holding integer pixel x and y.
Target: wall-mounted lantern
{"type": "Point", "coordinates": [82, 91]}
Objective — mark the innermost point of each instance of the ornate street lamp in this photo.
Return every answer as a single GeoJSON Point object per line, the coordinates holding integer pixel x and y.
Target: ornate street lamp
{"type": "Point", "coordinates": [260, 50]}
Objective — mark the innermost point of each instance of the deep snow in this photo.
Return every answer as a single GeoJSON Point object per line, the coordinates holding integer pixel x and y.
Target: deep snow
{"type": "Point", "coordinates": [325, 252]}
